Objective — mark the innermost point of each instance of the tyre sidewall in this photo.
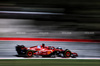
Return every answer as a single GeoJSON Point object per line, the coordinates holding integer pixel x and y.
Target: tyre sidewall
{"type": "Point", "coordinates": [27, 53]}
{"type": "Point", "coordinates": [67, 51]}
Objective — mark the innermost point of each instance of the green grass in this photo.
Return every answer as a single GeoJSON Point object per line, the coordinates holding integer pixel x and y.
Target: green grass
{"type": "Point", "coordinates": [50, 62]}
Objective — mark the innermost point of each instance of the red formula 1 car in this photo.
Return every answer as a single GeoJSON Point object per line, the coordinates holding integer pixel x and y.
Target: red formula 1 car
{"type": "Point", "coordinates": [44, 51]}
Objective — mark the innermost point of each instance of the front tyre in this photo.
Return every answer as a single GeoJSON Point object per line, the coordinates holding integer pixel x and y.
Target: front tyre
{"type": "Point", "coordinates": [29, 53]}
{"type": "Point", "coordinates": [67, 53]}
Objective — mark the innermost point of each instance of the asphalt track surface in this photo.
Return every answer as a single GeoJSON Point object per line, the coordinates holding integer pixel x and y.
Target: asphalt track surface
{"type": "Point", "coordinates": [84, 49]}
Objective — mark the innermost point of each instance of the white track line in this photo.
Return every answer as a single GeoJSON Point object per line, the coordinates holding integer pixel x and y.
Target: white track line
{"type": "Point", "coordinates": [54, 58]}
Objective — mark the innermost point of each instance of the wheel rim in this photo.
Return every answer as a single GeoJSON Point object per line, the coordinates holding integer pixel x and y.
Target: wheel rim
{"type": "Point", "coordinates": [29, 53]}
{"type": "Point", "coordinates": [67, 54]}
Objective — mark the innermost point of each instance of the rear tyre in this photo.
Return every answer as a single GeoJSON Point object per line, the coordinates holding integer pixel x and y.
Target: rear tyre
{"type": "Point", "coordinates": [29, 53]}
{"type": "Point", "coordinates": [67, 53]}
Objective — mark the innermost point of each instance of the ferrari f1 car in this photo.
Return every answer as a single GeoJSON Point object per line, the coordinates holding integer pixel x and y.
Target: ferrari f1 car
{"type": "Point", "coordinates": [44, 51]}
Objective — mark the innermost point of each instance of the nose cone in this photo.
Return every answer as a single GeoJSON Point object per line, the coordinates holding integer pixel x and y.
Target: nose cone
{"type": "Point", "coordinates": [74, 53]}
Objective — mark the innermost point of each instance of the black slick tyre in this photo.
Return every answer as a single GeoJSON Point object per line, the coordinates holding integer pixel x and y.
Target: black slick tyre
{"type": "Point", "coordinates": [67, 53]}
{"type": "Point", "coordinates": [29, 53]}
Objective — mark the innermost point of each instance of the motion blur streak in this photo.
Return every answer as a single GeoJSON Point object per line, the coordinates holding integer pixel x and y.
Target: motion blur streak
{"type": "Point", "coordinates": [17, 12]}
{"type": "Point", "coordinates": [49, 39]}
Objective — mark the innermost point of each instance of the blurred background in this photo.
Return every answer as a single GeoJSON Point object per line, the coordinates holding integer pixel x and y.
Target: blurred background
{"type": "Point", "coordinates": [76, 19]}
{"type": "Point", "coordinates": [71, 19]}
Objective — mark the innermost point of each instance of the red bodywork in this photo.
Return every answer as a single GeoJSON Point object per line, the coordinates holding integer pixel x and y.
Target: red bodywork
{"type": "Point", "coordinates": [40, 50]}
